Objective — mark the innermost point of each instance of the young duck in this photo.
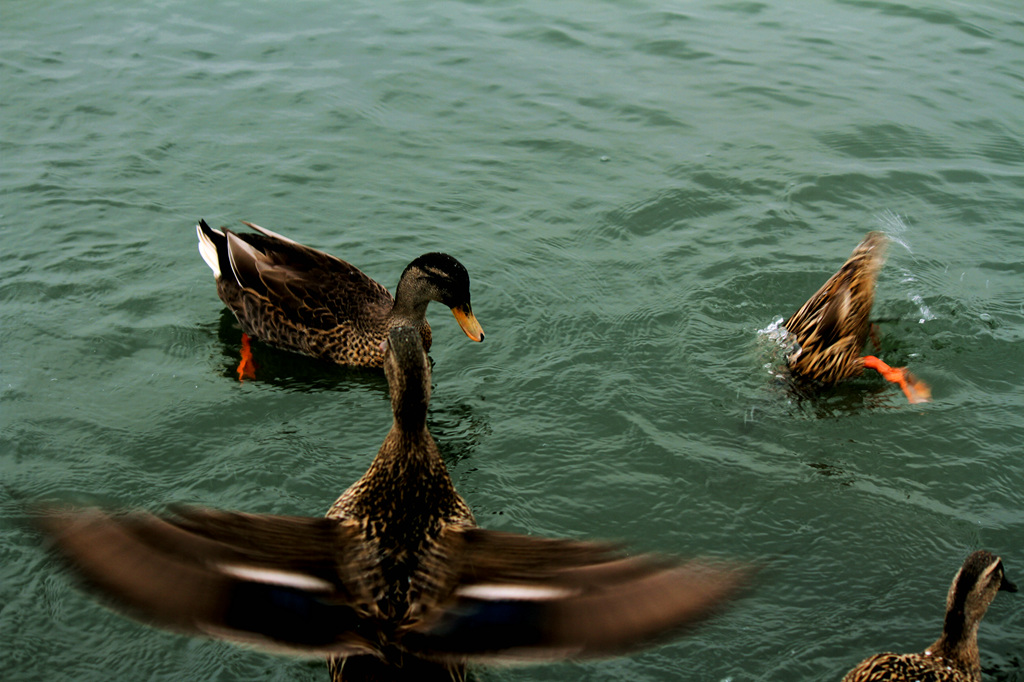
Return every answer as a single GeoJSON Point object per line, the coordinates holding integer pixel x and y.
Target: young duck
{"type": "Point", "coordinates": [307, 301]}
{"type": "Point", "coordinates": [832, 327]}
{"type": "Point", "coordinates": [397, 582]}
{"type": "Point", "coordinates": [954, 656]}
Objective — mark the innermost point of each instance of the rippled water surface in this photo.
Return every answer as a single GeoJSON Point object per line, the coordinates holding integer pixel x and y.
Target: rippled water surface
{"type": "Point", "coordinates": [636, 187]}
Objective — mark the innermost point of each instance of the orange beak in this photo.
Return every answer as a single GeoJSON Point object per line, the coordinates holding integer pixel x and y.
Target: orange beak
{"type": "Point", "coordinates": [467, 320]}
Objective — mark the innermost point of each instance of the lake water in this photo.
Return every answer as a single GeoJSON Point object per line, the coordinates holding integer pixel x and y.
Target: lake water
{"type": "Point", "coordinates": [637, 189]}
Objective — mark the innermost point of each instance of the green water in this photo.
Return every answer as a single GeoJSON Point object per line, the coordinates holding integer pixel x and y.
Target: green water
{"type": "Point", "coordinates": [637, 188]}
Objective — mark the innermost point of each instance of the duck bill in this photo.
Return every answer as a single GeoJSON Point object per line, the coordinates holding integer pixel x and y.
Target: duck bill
{"type": "Point", "coordinates": [467, 320]}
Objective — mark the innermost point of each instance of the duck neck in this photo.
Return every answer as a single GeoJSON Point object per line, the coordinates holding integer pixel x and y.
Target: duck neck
{"type": "Point", "coordinates": [410, 460]}
{"type": "Point", "coordinates": [410, 425]}
{"type": "Point", "coordinates": [410, 307]}
{"type": "Point", "coordinates": [959, 642]}
{"type": "Point", "coordinates": [409, 403]}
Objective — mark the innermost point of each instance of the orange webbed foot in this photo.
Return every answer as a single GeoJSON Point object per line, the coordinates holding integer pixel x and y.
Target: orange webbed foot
{"type": "Point", "coordinates": [247, 366]}
{"type": "Point", "coordinates": [916, 390]}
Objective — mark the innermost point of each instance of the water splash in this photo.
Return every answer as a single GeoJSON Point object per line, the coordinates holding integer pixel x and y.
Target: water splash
{"type": "Point", "coordinates": [779, 345]}
{"type": "Point", "coordinates": [926, 312]}
{"type": "Point", "coordinates": [775, 330]}
{"type": "Point", "coordinates": [895, 227]}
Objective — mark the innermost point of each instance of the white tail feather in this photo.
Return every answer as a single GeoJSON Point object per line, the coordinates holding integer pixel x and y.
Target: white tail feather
{"type": "Point", "coordinates": [208, 250]}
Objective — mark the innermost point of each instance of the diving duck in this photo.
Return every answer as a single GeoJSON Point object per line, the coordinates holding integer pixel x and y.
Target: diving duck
{"type": "Point", "coordinates": [397, 582]}
{"type": "Point", "coordinates": [954, 656]}
{"type": "Point", "coordinates": [303, 300]}
{"type": "Point", "coordinates": [832, 327]}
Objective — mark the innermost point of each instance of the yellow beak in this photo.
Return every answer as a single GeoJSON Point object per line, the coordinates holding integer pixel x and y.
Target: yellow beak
{"type": "Point", "coordinates": [467, 320]}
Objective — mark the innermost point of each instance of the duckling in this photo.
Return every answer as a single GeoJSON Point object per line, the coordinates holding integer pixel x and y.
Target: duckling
{"type": "Point", "coordinates": [832, 327]}
{"type": "Point", "coordinates": [397, 582]}
{"type": "Point", "coordinates": [954, 656]}
{"type": "Point", "coordinates": [303, 300]}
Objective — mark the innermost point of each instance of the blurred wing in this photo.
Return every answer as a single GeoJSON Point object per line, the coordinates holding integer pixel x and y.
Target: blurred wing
{"type": "Point", "coordinates": [221, 575]}
{"type": "Point", "coordinates": [520, 598]}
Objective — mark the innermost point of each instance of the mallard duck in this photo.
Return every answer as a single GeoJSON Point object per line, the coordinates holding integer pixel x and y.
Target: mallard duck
{"type": "Point", "coordinates": [954, 656]}
{"type": "Point", "coordinates": [832, 327]}
{"type": "Point", "coordinates": [303, 300]}
{"type": "Point", "coordinates": [397, 582]}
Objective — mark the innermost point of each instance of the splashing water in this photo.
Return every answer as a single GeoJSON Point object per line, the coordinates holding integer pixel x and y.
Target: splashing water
{"type": "Point", "coordinates": [895, 227]}
{"type": "Point", "coordinates": [926, 313]}
{"type": "Point", "coordinates": [780, 345]}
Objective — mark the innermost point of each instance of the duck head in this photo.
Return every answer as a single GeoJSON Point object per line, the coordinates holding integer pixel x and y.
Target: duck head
{"type": "Point", "coordinates": [437, 277]}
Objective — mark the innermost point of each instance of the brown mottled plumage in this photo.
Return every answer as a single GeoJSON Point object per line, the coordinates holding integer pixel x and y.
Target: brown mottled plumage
{"type": "Point", "coordinates": [397, 582]}
{"type": "Point", "coordinates": [954, 656]}
{"type": "Point", "coordinates": [832, 327]}
{"type": "Point", "coordinates": [307, 301]}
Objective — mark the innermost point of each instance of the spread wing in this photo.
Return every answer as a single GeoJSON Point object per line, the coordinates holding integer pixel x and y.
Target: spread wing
{"type": "Point", "coordinates": [283, 583]}
{"type": "Point", "coordinates": [520, 598]}
{"type": "Point", "coordinates": [304, 586]}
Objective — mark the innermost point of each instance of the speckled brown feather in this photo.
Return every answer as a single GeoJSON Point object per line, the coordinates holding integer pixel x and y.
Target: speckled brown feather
{"type": "Point", "coordinates": [954, 656]}
{"type": "Point", "coordinates": [907, 668]}
{"type": "Point", "coordinates": [832, 327]}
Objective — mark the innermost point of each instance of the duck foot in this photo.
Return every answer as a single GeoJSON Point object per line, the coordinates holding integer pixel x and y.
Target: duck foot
{"type": "Point", "coordinates": [247, 366]}
{"type": "Point", "coordinates": [916, 390]}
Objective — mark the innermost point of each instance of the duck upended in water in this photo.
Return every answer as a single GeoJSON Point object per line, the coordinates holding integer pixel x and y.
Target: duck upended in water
{"type": "Point", "coordinates": [954, 656]}
{"type": "Point", "coordinates": [832, 327]}
{"type": "Point", "coordinates": [397, 582]}
{"type": "Point", "coordinates": [300, 299]}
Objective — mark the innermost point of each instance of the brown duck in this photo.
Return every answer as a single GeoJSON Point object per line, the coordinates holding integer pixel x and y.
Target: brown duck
{"type": "Point", "coordinates": [397, 582]}
{"type": "Point", "coordinates": [954, 656]}
{"type": "Point", "coordinates": [303, 300]}
{"type": "Point", "coordinates": [832, 327]}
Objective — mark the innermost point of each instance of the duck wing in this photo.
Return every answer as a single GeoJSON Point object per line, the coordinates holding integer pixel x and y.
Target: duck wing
{"type": "Point", "coordinates": [307, 586]}
{"type": "Point", "coordinates": [288, 584]}
{"type": "Point", "coordinates": [518, 598]}
{"type": "Point", "coordinates": [316, 289]}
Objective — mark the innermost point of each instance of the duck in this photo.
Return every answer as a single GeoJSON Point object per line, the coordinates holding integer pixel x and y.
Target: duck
{"type": "Point", "coordinates": [954, 655]}
{"type": "Point", "coordinates": [396, 582]}
{"type": "Point", "coordinates": [303, 300]}
{"type": "Point", "coordinates": [832, 327]}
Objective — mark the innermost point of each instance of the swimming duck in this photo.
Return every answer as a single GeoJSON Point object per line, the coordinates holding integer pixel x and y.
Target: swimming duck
{"type": "Point", "coordinates": [954, 656]}
{"type": "Point", "coordinates": [300, 299]}
{"type": "Point", "coordinates": [832, 327]}
{"type": "Point", "coordinates": [397, 582]}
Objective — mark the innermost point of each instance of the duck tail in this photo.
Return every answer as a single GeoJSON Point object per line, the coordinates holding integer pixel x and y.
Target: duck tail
{"type": "Point", "coordinates": [211, 244]}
